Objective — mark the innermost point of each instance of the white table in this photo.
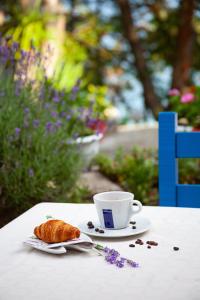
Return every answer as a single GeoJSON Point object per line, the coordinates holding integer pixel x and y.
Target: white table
{"type": "Point", "coordinates": [29, 274]}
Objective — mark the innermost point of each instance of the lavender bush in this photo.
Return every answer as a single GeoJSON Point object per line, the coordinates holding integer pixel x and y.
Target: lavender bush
{"type": "Point", "coordinates": [37, 162]}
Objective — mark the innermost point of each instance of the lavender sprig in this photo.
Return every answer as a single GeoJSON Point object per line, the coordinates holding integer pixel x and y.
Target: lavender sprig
{"type": "Point", "coordinates": [113, 257]}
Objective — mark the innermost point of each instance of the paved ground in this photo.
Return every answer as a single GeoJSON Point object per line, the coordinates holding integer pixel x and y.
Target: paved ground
{"type": "Point", "coordinates": [98, 183]}
{"type": "Point", "coordinates": [126, 137]}
{"type": "Point", "coordinates": [129, 136]}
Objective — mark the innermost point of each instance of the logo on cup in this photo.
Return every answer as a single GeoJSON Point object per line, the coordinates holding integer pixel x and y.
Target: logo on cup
{"type": "Point", "coordinates": [108, 218]}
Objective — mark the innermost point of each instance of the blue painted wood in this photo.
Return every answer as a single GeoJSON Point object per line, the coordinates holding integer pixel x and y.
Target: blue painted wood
{"type": "Point", "coordinates": [188, 144]}
{"type": "Point", "coordinates": [188, 195]}
{"type": "Point", "coordinates": [168, 171]}
{"type": "Point", "coordinates": [173, 145]}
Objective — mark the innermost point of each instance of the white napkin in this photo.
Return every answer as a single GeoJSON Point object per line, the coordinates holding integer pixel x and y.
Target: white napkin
{"type": "Point", "coordinates": [83, 243]}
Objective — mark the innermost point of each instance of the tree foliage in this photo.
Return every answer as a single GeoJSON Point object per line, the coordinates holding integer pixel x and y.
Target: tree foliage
{"type": "Point", "coordinates": [99, 47]}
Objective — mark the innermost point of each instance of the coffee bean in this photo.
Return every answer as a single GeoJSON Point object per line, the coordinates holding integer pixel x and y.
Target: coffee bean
{"type": "Point", "coordinates": [89, 223]}
{"type": "Point", "coordinates": [176, 248]}
{"type": "Point", "coordinates": [134, 227]}
{"type": "Point", "coordinates": [152, 243]}
{"type": "Point", "coordinates": [101, 231]}
{"type": "Point", "coordinates": [132, 222]}
{"type": "Point", "coordinates": [97, 229]}
{"type": "Point", "coordinates": [139, 242]}
{"type": "Point", "coordinates": [131, 245]}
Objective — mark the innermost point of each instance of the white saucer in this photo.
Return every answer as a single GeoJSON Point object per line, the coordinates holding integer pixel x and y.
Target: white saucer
{"type": "Point", "coordinates": [142, 224]}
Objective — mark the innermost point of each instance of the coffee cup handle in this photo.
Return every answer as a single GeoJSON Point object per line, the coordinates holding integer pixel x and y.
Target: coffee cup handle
{"type": "Point", "coordinates": [138, 205]}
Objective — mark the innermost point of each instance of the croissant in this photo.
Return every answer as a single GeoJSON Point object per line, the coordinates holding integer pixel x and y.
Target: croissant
{"type": "Point", "coordinates": [56, 231]}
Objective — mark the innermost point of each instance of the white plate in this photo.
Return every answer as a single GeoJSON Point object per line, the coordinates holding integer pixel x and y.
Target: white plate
{"type": "Point", "coordinates": [142, 224]}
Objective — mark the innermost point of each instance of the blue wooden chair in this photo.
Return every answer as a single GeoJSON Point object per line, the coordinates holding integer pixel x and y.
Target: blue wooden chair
{"type": "Point", "coordinates": [174, 145]}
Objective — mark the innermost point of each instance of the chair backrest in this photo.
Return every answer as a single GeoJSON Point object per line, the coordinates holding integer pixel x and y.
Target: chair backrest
{"type": "Point", "coordinates": [173, 145]}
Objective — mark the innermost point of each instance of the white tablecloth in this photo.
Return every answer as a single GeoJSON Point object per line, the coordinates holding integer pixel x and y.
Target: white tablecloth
{"type": "Point", "coordinates": [28, 274]}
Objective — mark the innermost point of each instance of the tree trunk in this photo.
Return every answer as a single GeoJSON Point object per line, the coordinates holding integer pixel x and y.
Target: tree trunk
{"type": "Point", "coordinates": [185, 39]}
{"type": "Point", "coordinates": [151, 99]}
{"type": "Point", "coordinates": [27, 4]}
{"type": "Point", "coordinates": [56, 27]}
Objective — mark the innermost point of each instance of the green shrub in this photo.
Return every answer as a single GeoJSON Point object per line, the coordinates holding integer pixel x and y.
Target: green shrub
{"type": "Point", "coordinates": [137, 172]}
{"type": "Point", "coordinates": [189, 171]}
{"type": "Point", "coordinates": [187, 104]}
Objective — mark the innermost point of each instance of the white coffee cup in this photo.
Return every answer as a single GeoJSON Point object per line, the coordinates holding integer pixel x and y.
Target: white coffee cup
{"type": "Point", "coordinates": [115, 208]}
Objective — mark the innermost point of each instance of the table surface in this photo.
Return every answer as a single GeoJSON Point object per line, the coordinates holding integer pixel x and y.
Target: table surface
{"type": "Point", "coordinates": [27, 273]}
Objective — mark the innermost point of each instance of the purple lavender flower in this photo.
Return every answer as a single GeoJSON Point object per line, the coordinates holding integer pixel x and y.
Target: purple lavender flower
{"type": "Point", "coordinates": [123, 259]}
{"type": "Point", "coordinates": [47, 105]}
{"type": "Point", "coordinates": [26, 110]}
{"type": "Point", "coordinates": [111, 255]}
{"type": "Point", "coordinates": [62, 94]}
{"type": "Point", "coordinates": [114, 252]}
{"type": "Point", "coordinates": [5, 54]}
{"type": "Point", "coordinates": [56, 97]}
{"type": "Point", "coordinates": [23, 54]}
{"type": "Point", "coordinates": [15, 46]}
{"type": "Point", "coordinates": [75, 90]}
{"type": "Point", "coordinates": [78, 82]}
{"type": "Point", "coordinates": [30, 172]}
{"type": "Point", "coordinates": [119, 263]}
{"type": "Point", "coordinates": [132, 263]}
{"type": "Point", "coordinates": [1, 49]}
{"type": "Point", "coordinates": [49, 127]}
{"type": "Point", "coordinates": [68, 117]}
{"type": "Point", "coordinates": [58, 123]}
{"type": "Point", "coordinates": [17, 131]}
{"type": "Point", "coordinates": [36, 123]}
{"type": "Point", "coordinates": [63, 114]}
{"type": "Point", "coordinates": [110, 259]}
{"type": "Point", "coordinates": [106, 249]}
{"type": "Point", "coordinates": [54, 114]}
{"type": "Point", "coordinates": [12, 61]}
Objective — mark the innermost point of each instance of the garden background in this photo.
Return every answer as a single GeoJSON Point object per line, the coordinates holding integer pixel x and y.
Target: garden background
{"type": "Point", "coordinates": [76, 73]}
